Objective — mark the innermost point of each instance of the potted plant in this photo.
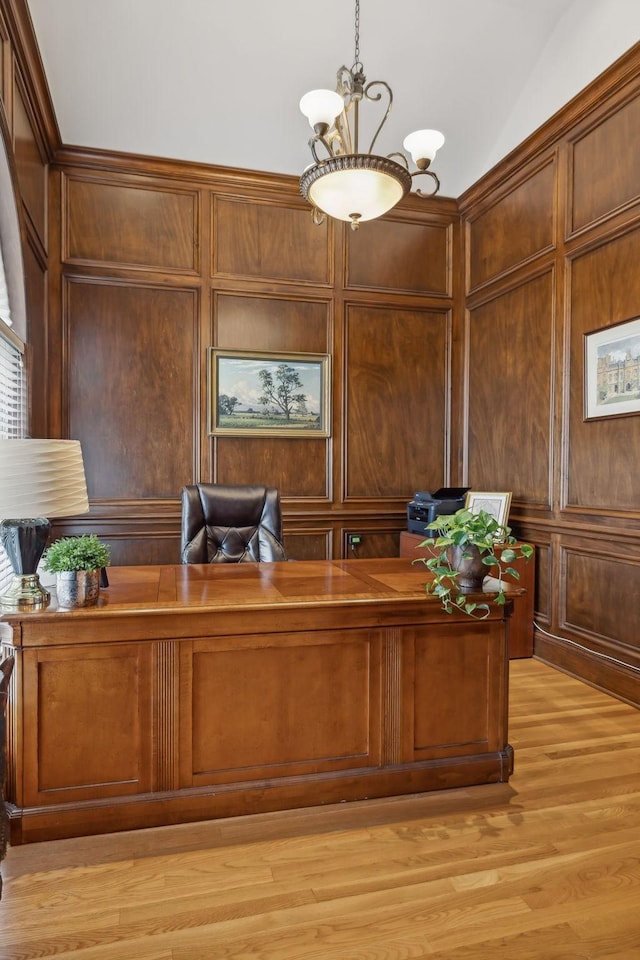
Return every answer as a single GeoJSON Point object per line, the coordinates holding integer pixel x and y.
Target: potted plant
{"type": "Point", "coordinates": [77, 562]}
{"type": "Point", "coordinates": [467, 547]}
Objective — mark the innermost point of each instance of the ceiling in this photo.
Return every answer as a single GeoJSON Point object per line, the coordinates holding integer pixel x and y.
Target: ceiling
{"type": "Point", "coordinates": [218, 81]}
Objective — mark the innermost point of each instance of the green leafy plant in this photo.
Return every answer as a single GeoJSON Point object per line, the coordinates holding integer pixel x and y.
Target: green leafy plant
{"type": "Point", "coordinates": [465, 529]}
{"type": "Point", "coordinates": [76, 553]}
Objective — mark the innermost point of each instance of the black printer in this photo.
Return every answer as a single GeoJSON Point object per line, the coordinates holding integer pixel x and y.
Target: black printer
{"type": "Point", "coordinates": [425, 507]}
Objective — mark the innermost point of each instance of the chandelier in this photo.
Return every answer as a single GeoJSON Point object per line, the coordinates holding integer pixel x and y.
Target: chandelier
{"type": "Point", "coordinates": [344, 183]}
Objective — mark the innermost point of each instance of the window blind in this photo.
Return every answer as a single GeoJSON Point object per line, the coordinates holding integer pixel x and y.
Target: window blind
{"type": "Point", "coordinates": [12, 386]}
{"type": "Point", "coordinates": [13, 407]}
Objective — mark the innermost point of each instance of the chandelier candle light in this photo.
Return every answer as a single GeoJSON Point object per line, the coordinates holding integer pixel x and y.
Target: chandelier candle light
{"type": "Point", "coordinates": [346, 184]}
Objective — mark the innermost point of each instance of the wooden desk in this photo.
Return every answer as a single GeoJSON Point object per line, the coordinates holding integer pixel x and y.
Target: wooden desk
{"type": "Point", "coordinates": [195, 692]}
{"type": "Point", "coordinates": [521, 623]}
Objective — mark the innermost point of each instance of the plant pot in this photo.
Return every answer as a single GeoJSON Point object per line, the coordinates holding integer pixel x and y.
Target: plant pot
{"type": "Point", "coordinates": [77, 588]}
{"type": "Point", "coordinates": [470, 570]}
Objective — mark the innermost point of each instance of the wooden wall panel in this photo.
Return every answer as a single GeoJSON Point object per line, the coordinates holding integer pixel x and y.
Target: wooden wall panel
{"type": "Point", "coordinates": [276, 241]}
{"type": "Point", "coordinates": [133, 540]}
{"type": "Point", "coordinates": [396, 400]}
{"type": "Point", "coordinates": [510, 389]}
{"type": "Point", "coordinates": [604, 166]}
{"type": "Point", "coordinates": [132, 374]}
{"type": "Point", "coordinates": [544, 590]}
{"type": "Point", "coordinates": [143, 548]}
{"type": "Point", "coordinates": [298, 467]}
{"type": "Point", "coordinates": [135, 226]}
{"type": "Point", "coordinates": [375, 540]}
{"type": "Point", "coordinates": [308, 539]}
{"type": "Point", "coordinates": [396, 255]}
{"type": "Point", "coordinates": [31, 164]}
{"type": "Point", "coordinates": [263, 322]}
{"type": "Point", "coordinates": [517, 225]}
{"type": "Point", "coordinates": [543, 570]}
{"type": "Point", "coordinates": [602, 454]}
{"type": "Point", "coordinates": [601, 593]}
{"type": "Point", "coordinates": [306, 542]}
{"type": "Point", "coordinates": [36, 277]}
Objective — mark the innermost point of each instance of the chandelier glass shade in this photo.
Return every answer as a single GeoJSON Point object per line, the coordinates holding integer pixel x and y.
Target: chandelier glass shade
{"type": "Point", "coordinates": [343, 182]}
{"type": "Point", "coordinates": [355, 187]}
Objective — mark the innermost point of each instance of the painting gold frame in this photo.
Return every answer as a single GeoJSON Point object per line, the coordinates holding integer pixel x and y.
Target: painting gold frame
{"type": "Point", "coordinates": [268, 394]}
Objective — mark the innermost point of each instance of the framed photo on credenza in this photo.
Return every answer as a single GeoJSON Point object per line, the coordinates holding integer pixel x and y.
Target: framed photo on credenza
{"type": "Point", "coordinates": [497, 504]}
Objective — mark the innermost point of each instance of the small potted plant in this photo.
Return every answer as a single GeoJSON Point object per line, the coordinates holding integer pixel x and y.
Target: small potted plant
{"type": "Point", "coordinates": [77, 562]}
{"type": "Point", "coordinates": [467, 547]}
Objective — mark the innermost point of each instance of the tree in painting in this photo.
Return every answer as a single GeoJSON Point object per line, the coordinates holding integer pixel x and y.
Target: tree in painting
{"type": "Point", "coordinates": [227, 404]}
{"type": "Point", "coordinates": [281, 390]}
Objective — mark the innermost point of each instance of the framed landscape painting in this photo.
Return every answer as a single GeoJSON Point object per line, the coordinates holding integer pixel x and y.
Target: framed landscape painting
{"type": "Point", "coordinates": [268, 394]}
{"type": "Point", "coordinates": [612, 371]}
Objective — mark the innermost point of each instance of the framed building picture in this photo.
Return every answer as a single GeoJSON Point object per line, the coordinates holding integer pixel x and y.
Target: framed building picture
{"type": "Point", "coordinates": [612, 370]}
{"type": "Point", "coordinates": [495, 504]}
{"type": "Point", "coordinates": [268, 394]}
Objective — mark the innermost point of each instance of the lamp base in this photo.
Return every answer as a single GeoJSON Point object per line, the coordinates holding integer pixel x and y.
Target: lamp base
{"type": "Point", "coordinates": [25, 592]}
{"type": "Point", "coordinates": [24, 542]}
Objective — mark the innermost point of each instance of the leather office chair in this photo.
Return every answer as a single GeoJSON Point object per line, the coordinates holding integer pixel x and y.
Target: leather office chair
{"type": "Point", "coordinates": [223, 523]}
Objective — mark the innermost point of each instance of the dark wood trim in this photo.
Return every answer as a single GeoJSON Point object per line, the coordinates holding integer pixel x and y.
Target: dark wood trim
{"type": "Point", "coordinates": [608, 675]}
{"type": "Point", "coordinates": [32, 74]}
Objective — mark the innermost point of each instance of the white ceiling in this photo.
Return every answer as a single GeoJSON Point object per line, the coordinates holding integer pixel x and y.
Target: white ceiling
{"type": "Point", "coordinates": [218, 81]}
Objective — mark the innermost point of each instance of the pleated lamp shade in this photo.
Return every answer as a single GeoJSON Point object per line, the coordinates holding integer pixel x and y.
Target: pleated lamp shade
{"type": "Point", "coordinates": [42, 478]}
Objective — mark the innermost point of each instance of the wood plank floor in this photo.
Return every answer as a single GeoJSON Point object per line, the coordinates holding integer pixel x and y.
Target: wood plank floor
{"type": "Point", "coordinates": [546, 867]}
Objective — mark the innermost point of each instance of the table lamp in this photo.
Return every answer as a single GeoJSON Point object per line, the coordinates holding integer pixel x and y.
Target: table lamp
{"type": "Point", "coordinates": [38, 479]}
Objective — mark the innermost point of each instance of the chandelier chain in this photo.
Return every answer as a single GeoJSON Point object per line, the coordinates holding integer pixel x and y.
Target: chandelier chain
{"type": "Point", "coordinates": [356, 55]}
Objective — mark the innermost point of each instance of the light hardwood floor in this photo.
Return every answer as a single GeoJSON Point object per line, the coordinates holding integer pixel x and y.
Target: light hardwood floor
{"type": "Point", "coordinates": [546, 867]}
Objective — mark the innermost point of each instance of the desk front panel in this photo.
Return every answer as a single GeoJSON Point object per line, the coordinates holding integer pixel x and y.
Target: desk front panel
{"type": "Point", "coordinates": [257, 707]}
{"type": "Point", "coordinates": [87, 723]}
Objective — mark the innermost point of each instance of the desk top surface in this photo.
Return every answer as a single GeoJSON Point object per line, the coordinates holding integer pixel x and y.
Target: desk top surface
{"type": "Point", "coordinates": [228, 585]}
{"type": "Point", "coordinates": [246, 586]}
{"type": "Point", "coordinates": [266, 584]}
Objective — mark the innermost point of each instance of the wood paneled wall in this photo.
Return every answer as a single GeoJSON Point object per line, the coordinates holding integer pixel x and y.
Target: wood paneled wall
{"type": "Point", "coordinates": [156, 261]}
{"type": "Point", "coordinates": [552, 243]}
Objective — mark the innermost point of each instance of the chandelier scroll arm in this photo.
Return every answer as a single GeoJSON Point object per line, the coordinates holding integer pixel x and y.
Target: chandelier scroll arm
{"type": "Point", "coordinates": [374, 98]}
{"type": "Point", "coordinates": [427, 173]}
{"type": "Point", "coordinates": [332, 142]}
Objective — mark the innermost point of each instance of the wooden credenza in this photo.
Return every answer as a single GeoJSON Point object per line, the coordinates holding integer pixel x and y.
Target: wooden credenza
{"type": "Point", "coordinates": [196, 692]}
{"type": "Point", "coordinates": [521, 623]}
